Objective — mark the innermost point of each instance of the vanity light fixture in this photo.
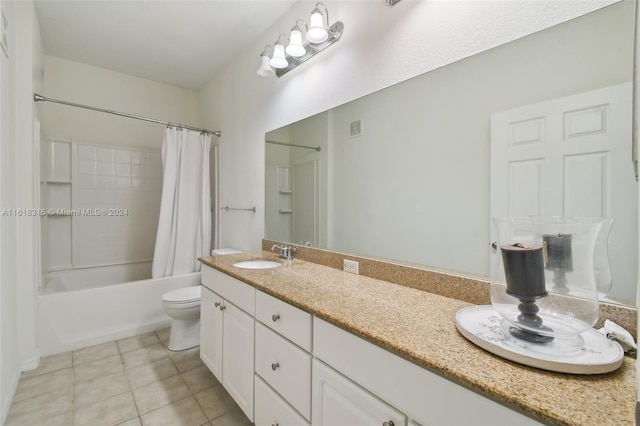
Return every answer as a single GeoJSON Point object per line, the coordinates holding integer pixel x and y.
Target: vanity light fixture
{"type": "Point", "coordinates": [392, 2]}
{"type": "Point", "coordinates": [318, 37]}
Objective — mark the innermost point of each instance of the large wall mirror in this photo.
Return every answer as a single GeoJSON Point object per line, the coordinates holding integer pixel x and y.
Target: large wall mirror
{"type": "Point", "coordinates": [409, 173]}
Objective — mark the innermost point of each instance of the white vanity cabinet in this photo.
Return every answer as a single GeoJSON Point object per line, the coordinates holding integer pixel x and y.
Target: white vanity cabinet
{"type": "Point", "coordinates": [282, 363]}
{"type": "Point", "coordinates": [425, 397]}
{"type": "Point", "coordinates": [227, 334]}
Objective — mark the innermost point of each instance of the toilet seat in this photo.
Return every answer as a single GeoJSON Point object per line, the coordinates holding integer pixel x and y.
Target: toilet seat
{"type": "Point", "coordinates": [183, 295]}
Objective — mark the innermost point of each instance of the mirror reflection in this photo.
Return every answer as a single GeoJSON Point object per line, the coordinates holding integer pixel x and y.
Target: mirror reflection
{"type": "Point", "coordinates": [414, 173]}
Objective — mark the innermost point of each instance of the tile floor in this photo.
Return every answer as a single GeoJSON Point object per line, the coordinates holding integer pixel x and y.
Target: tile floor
{"type": "Point", "coordinates": [128, 382]}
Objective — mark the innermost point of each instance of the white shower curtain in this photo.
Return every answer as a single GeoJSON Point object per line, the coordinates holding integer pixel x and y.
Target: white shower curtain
{"type": "Point", "coordinates": [184, 228]}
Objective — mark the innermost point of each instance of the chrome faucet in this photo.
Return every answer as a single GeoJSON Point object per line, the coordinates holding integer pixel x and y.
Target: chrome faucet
{"type": "Point", "coordinates": [286, 252]}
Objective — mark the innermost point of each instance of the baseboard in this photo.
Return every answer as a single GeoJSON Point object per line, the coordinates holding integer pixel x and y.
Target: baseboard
{"type": "Point", "coordinates": [31, 363]}
{"type": "Point", "coordinates": [7, 404]}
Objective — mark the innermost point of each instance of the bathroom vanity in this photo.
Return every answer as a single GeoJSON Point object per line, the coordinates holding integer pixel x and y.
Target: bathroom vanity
{"type": "Point", "coordinates": [304, 343]}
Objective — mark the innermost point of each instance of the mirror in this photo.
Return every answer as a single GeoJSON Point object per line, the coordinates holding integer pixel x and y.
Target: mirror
{"type": "Point", "coordinates": [406, 173]}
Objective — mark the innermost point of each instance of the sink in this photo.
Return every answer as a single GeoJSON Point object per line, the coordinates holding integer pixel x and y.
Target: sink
{"type": "Point", "coordinates": [257, 264]}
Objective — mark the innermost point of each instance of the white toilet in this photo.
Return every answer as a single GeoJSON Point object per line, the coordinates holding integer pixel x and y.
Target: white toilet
{"type": "Point", "coordinates": [183, 306]}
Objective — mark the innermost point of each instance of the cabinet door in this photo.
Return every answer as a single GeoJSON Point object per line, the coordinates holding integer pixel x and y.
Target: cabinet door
{"type": "Point", "coordinates": [237, 357]}
{"type": "Point", "coordinates": [272, 410]}
{"type": "Point", "coordinates": [211, 332]}
{"type": "Point", "coordinates": [338, 401]}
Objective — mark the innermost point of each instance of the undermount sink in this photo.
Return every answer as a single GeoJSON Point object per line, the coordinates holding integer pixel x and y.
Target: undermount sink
{"type": "Point", "coordinates": [257, 264]}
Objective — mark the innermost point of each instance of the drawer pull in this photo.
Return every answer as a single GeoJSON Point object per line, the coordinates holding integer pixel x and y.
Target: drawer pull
{"type": "Point", "coordinates": [275, 366]}
{"type": "Point", "coordinates": [222, 307]}
{"type": "Point", "coordinates": [389, 423]}
{"type": "Point", "coordinates": [275, 317]}
{"type": "Point", "coordinates": [274, 424]}
{"type": "Point", "coordinates": [216, 304]}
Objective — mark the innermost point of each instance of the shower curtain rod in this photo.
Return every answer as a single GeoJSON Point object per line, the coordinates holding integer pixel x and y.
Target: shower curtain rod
{"type": "Point", "coordinates": [38, 98]}
{"type": "Point", "coordinates": [315, 148]}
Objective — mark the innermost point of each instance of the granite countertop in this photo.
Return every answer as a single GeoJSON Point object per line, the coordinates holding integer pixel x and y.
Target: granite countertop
{"type": "Point", "coordinates": [420, 327]}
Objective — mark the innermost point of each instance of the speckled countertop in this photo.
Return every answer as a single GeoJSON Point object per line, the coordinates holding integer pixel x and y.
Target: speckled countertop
{"type": "Point", "coordinates": [420, 327]}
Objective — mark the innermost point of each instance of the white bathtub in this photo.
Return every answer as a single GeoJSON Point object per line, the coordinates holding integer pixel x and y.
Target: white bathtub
{"type": "Point", "coordinates": [85, 307]}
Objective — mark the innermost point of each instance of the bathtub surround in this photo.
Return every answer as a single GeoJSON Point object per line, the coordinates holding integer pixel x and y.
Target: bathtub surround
{"type": "Point", "coordinates": [103, 203]}
{"type": "Point", "coordinates": [184, 227]}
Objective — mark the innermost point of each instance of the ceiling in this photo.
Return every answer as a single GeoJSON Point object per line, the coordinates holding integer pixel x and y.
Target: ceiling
{"type": "Point", "coordinates": [178, 42]}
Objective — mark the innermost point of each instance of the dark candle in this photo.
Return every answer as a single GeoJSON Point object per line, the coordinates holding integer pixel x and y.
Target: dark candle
{"type": "Point", "coordinates": [558, 251]}
{"type": "Point", "coordinates": [524, 270]}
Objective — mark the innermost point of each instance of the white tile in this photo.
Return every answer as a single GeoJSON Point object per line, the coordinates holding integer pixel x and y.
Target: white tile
{"type": "Point", "coordinates": [86, 152]}
{"type": "Point", "coordinates": [105, 168]}
{"type": "Point", "coordinates": [123, 170]}
{"type": "Point", "coordinates": [122, 156]}
{"type": "Point", "coordinates": [104, 154]}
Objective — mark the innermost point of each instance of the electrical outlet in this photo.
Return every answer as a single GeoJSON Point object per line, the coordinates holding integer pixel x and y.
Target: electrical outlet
{"type": "Point", "coordinates": [355, 128]}
{"type": "Point", "coordinates": [350, 266]}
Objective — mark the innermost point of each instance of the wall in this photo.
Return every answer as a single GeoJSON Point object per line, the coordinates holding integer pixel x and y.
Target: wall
{"type": "Point", "coordinates": [381, 46]}
{"type": "Point", "coordinates": [20, 75]}
{"type": "Point", "coordinates": [88, 85]}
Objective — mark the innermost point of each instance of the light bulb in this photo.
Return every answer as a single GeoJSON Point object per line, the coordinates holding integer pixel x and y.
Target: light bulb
{"type": "Point", "coordinates": [265, 69]}
{"type": "Point", "coordinates": [295, 47]}
{"type": "Point", "coordinates": [316, 33]}
{"type": "Point", "coordinates": [278, 60]}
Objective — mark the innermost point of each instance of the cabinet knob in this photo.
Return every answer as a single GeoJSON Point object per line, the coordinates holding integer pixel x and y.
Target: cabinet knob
{"type": "Point", "coordinates": [275, 317]}
{"type": "Point", "coordinates": [389, 423]}
{"type": "Point", "coordinates": [275, 366]}
{"type": "Point", "coordinates": [216, 304]}
{"type": "Point", "coordinates": [222, 307]}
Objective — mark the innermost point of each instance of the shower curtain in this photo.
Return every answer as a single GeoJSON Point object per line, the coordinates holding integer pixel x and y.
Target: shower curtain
{"type": "Point", "coordinates": [184, 228]}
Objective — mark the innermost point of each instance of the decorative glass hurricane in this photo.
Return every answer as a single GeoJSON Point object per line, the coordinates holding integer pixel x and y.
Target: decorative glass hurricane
{"type": "Point", "coordinates": [543, 284]}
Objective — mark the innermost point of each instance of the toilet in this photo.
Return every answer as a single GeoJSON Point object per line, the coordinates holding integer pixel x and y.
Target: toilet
{"type": "Point", "coordinates": [183, 306]}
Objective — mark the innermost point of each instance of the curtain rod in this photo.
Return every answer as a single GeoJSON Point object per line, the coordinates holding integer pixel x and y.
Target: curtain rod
{"type": "Point", "coordinates": [38, 98]}
{"type": "Point", "coordinates": [315, 148]}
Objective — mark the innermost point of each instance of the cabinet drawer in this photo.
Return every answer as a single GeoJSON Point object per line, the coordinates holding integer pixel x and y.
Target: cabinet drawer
{"type": "Point", "coordinates": [289, 321]}
{"type": "Point", "coordinates": [240, 294]}
{"type": "Point", "coordinates": [271, 409]}
{"type": "Point", "coordinates": [286, 367]}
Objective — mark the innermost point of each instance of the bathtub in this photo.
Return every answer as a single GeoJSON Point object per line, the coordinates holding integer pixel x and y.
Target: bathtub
{"type": "Point", "coordinates": [86, 307]}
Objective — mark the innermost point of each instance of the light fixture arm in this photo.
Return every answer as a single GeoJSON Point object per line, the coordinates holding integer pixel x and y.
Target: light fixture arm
{"type": "Point", "coordinates": [279, 37]}
{"type": "Point", "coordinates": [264, 51]}
{"type": "Point", "coordinates": [296, 27]}
{"type": "Point", "coordinates": [326, 11]}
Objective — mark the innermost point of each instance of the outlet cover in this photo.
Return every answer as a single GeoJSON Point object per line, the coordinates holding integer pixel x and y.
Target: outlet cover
{"type": "Point", "coordinates": [355, 128]}
{"type": "Point", "coordinates": [350, 266]}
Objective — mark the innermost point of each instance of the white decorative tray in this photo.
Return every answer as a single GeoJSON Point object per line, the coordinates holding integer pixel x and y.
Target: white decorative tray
{"type": "Point", "coordinates": [481, 325]}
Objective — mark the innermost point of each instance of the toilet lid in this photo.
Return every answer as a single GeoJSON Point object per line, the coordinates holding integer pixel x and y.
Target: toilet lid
{"type": "Point", "coordinates": [183, 295]}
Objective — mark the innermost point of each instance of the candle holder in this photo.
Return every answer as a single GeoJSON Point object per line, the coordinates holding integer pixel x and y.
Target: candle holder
{"type": "Point", "coordinates": [543, 284]}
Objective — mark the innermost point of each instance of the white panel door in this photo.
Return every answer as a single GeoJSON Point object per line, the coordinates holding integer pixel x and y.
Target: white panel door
{"type": "Point", "coordinates": [237, 357]}
{"type": "Point", "coordinates": [211, 331]}
{"type": "Point", "coordinates": [338, 401]}
{"type": "Point", "coordinates": [571, 156]}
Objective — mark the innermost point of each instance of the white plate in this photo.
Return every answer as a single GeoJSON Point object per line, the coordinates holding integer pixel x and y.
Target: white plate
{"type": "Point", "coordinates": [481, 325]}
